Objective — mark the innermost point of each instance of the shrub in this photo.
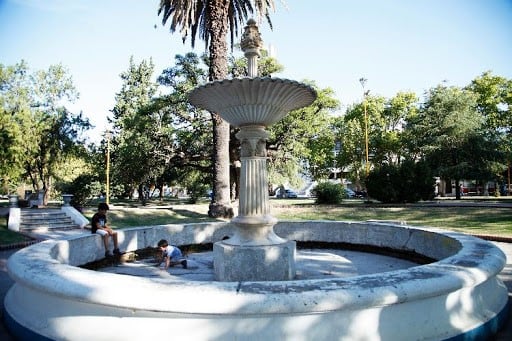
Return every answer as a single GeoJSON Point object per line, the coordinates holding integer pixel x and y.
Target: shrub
{"type": "Point", "coordinates": [423, 181]}
{"type": "Point", "coordinates": [82, 189]}
{"type": "Point", "coordinates": [196, 190]}
{"type": "Point", "coordinates": [383, 184]}
{"type": "Point", "coordinates": [408, 182]}
{"type": "Point", "coordinates": [328, 193]}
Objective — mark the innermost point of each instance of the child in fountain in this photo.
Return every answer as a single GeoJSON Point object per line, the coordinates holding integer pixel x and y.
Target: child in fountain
{"type": "Point", "coordinates": [172, 255]}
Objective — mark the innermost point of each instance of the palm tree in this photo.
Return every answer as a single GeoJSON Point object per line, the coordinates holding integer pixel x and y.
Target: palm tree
{"type": "Point", "coordinates": [213, 19]}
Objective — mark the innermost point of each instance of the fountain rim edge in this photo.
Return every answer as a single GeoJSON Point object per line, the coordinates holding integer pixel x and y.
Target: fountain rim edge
{"type": "Point", "coordinates": [254, 79]}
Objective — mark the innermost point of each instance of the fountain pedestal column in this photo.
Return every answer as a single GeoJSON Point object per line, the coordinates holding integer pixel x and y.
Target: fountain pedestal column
{"type": "Point", "coordinates": [254, 252]}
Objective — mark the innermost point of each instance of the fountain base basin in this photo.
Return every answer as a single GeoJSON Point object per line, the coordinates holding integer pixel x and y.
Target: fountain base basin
{"type": "Point", "coordinates": [54, 299]}
{"type": "Point", "coordinates": [254, 262]}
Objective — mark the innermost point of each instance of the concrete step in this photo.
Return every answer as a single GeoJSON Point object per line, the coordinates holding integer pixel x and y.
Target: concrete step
{"type": "Point", "coordinates": [45, 229]}
{"type": "Point", "coordinates": [37, 219]}
{"type": "Point", "coordinates": [40, 211]}
{"type": "Point", "coordinates": [48, 226]}
{"type": "Point", "coordinates": [42, 220]}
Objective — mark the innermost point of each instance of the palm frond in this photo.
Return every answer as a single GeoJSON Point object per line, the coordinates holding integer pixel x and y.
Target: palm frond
{"type": "Point", "coordinates": [192, 17]}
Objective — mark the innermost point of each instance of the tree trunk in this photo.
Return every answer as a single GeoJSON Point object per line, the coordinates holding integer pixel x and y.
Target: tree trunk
{"type": "Point", "coordinates": [142, 194]}
{"type": "Point", "coordinates": [161, 191]}
{"type": "Point", "coordinates": [442, 187]}
{"type": "Point", "coordinates": [220, 205]}
{"type": "Point", "coordinates": [234, 158]}
{"type": "Point", "coordinates": [457, 189]}
{"type": "Point", "coordinates": [486, 188]}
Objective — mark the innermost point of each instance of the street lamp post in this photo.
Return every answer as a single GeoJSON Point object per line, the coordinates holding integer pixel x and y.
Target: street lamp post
{"type": "Point", "coordinates": [337, 148]}
{"type": "Point", "coordinates": [108, 135]}
{"type": "Point", "coordinates": [365, 93]}
{"type": "Point", "coordinates": [508, 178]}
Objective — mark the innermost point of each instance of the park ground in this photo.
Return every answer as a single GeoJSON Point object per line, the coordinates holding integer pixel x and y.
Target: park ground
{"type": "Point", "coordinates": [490, 217]}
{"type": "Point", "coordinates": [484, 216]}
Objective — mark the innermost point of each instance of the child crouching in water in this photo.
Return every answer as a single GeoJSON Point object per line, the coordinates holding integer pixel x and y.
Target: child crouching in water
{"type": "Point", "coordinates": [171, 254]}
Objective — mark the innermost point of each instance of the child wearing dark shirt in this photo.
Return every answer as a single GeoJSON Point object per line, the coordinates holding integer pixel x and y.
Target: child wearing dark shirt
{"type": "Point", "coordinates": [99, 226]}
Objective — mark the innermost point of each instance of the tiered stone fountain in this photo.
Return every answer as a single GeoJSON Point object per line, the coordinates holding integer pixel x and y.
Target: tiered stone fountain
{"type": "Point", "coordinates": [255, 252]}
{"type": "Point", "coordinates": [255, 296]}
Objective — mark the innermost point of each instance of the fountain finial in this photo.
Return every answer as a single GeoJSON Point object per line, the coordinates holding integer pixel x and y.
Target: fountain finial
{"type": "Point", "coordinates": [251, 44]}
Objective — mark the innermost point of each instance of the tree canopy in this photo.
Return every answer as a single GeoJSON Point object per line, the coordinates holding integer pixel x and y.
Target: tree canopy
{"type": "Point", "coordinates": [38, 132]}
{"type": "Point", "coordinates": [159, 138]}
{"type": "Point", "coordinates": [174, 138]}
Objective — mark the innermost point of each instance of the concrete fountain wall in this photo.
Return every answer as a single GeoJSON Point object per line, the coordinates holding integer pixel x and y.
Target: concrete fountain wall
{"type": "Point", "coordinates": [457, 297]}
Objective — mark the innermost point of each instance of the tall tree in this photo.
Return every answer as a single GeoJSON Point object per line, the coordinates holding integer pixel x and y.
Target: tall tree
{"type": "Point", "coordinates": [214, 19]}
{"type": "Point", "coordinates": [443, 128]}
{"type": "Point", "coordinates": [14, 117]}
{"type": "Point", "coordinates": [302, 142]}
{"type": "Point", "coordinates": [132, 164]}
{"type": "Point", "coordinates": [350, 131]}
{"type": "Point", "coordinates": [57, 130]}
{"type": "Point", "coordinates": [397, 111]}
{"type": "Point", "coordinates": [494, 101]}
{"type": "Point", "coordinates": [45, 131]}
{"type": "Point", "coordinates": [180, 133]}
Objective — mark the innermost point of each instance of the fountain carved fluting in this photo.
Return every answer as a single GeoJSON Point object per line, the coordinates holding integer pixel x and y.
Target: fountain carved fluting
{"type": "Point", "coordinates": [254, 252]}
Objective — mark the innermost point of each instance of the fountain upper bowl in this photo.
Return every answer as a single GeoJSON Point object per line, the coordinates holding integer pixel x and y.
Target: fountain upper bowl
{"type": "Point", "coordinates": [252, 101]}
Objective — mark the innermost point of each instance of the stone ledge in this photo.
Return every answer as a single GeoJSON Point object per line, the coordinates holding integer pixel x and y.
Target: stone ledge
{"type": "Point", "coordinates": [460, 290]}
{"type": "Point", "coordinates": [473, 262]}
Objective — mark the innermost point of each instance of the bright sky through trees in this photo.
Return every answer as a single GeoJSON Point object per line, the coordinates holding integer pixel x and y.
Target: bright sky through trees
{"type": "Point", "coordinates": [395, 44]}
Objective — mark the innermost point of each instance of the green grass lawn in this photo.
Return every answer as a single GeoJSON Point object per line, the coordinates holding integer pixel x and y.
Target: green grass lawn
{"type": "Point", "coordinates": [473, 220]}
{"type": "Point", "coordinates": [8, 237]}
{"type": "Point", "coordinates": [121, 217]}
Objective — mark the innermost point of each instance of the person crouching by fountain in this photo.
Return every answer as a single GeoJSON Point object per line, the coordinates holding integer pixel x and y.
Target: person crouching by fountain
{"type": "Point", "coordinates": [172, 255]}
{"type": "Point", "coordinates": [99, 226]}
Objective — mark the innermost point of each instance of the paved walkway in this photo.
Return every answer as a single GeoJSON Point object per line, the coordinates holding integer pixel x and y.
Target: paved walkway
{"type": "Point", "coordinates": [506, 276]}
{"type": "Point", "coordinates": [6, 282]}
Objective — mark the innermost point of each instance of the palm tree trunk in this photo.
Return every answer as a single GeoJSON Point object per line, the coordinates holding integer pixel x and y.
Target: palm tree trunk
{"type": "Point", "coordinates": [220, 205]}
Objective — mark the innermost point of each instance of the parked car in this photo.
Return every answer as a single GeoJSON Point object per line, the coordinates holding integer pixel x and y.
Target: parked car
{"type": "Point", "coordinates": [361, 194]}
{"type": "Point", "coordinates": [287, 193]}
{"type": "Point", "coordinates": [290, 194]}
{"type": "Point", "coordinates": [349, 193]}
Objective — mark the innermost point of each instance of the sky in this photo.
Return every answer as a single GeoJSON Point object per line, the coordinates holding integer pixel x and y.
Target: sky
{"type": "Point", "coordinates": [397, 45]}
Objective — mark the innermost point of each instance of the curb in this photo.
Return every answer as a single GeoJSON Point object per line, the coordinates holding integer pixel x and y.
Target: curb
{"type": "Point", "coordinates": [19, 245]}
{"type": "Point", "coordinates": [492, 238]}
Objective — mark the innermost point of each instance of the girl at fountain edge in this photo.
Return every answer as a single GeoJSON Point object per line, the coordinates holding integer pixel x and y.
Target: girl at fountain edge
{"type": "Point", "coordinates": [172, 255]}
{"type": "Point", "coordinates": [99, 226]}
